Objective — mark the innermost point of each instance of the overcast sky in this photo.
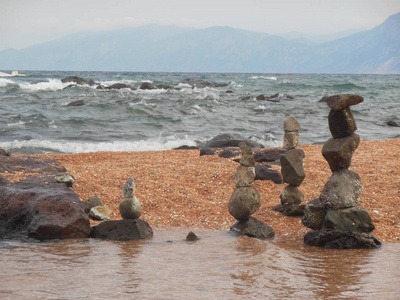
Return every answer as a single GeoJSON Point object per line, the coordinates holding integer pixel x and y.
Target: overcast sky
{"type": "Point", "coordinates": [27, 22]}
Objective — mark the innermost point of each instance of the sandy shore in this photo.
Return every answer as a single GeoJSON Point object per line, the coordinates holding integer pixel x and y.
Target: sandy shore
{"type": "Point", "coordinates": [182, 189]}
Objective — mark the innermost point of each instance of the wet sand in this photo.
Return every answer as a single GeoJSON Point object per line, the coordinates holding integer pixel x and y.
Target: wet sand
{"type": "Point", "coordinates": [180, 188]}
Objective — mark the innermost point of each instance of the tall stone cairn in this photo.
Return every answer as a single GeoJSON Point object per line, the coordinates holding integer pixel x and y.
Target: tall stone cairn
{"type": "Point", "coordinates": [292, 170]}
{"type": "Point", "coordinates": [245, 199]}
{"type": "Point", "coordinates": [334, 217]}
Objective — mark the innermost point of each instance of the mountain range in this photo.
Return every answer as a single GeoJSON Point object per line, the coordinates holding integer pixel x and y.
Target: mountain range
{"type": "Point", "coordinates": [155, 48]}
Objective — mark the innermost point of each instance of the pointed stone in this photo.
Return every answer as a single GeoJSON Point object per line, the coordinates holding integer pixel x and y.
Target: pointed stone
{"type": "Point", "coordinates": [291, 124]}
{"type": "Point", "coordinates": [247, 159]}
{"type": "Point", "coordinates": [338, 152]}
{"type": "Point", "coordinates": [342, 190]}
{"type": "Point", "coordinates": [341, 123]}
{"type": "Point", "coordinates": [339, 102]}
{"type": "Point", "coordinates": [128, 190]}
{"type": "Point", "coordinates": [292, 167]}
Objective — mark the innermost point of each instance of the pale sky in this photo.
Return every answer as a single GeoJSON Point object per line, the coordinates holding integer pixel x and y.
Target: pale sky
{"type": "Point", "coordinates": [27, 22]}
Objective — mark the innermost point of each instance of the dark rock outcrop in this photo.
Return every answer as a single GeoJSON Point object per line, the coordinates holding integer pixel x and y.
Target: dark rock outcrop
{"type": "Point", "coordinates": [38, 206]}
{"type": "Point", "coordinates": [269, 155]}
{"type": "Point", "coordinates": [76, 103]}
{"type": "Point", "coordinates": [230, 140]}
{"type": "Point", "coordinates": [4, 152]}
{"type": "Point", "coordinates": [78, 80]}
{"type": "Point", "coordinates": [253, 228]}
{"type": "Point", "coordinates": [198, 83]}
{"type": "Point", "coordinates": [147, 86]}
{"type": "Point", "coordinates": [123, 230]}
{"type": "Point", "coordinates": [337, 239]}
{"type": "Point", "coordinates": [265, 173]}
{"type": "Point", "coordinates": [118, 86]}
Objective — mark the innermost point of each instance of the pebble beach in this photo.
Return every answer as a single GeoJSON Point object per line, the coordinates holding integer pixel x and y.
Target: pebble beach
{"type": "Point", "coordinates": [181, 189]}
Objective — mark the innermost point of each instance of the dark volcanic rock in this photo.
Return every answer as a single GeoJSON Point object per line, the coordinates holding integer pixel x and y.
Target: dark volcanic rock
{"type": "Point", "coordinates": [78, 80]}
{"type": "Point", "coordinates": [265, 173]}
{"type": "Point", "coordinates": [260, 97]}
{"type": "Point", "coordinates": [337, 239]}
{"type": "Point", "coordinates": [186, 147]}
{"type": "Point", "coordinates": [341, 123]}
{"type": "Point", "coordinates": [292, 167]}
{"type": "Point", "coordinates": [4, 152]}
{"type": "Point", "coordinates": [76, 103]}
{"type": "Point", "coordinates": [342, 190]}
{"type": "Point", "coordinates": [392, 123]}
{"type": "Point", "coordinates": [38, 206]}
{"type": "Point", "coordinates": [230, 140]}
{"type": "Point", "coordinates": [338, 152]}
{"type": "Point", "coordinates": [118, 86]}
{"type": "Point", "coordinates": [127, 229]}
{"type": "Point", "coordinates": [314, 214]}
{"type": "Point", "coordinates": [339, 102]}
{"type": "Point", "coordinates": [355, 219]}
{"type": "Point", "coordinates": [207, 151]}
{"type": "Point", "coordinates": [198, 83]}
{"type": "Point", "coordinates": [147, 86]}
{"type": "Point", "coordinates": [191, 237]}
{"type": "Point", "coordinates": [229, 152]}
{"type": "Point", "coordinates": [269, 155]}
{"type": "Point", "coordinates": [253, 228]}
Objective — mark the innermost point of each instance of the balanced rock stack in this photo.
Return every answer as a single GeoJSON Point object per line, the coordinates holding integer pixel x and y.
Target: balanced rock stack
{"type": "Point", "coordinates": [334, 218]}
{"type": "Point", "coordinates": [292, 170]}
{"type": "Point", "coordinates": [131, 227]}
{"type": "Point", "coordinates": [245, 199]}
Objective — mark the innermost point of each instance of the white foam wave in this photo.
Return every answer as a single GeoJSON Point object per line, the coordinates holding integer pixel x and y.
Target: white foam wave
{"type": "Point", "coordinates": [18, 124]}
{"type": "Point", "coordinates": [159, 144]}
{"type": "Point", "coordinates": [4, 82]}
{"type": "Point", "coordinates": [51, 84]}
{"type": "Point", "coordinates": [111, 82]}
{"type": "Point", "coordinates": [264, 77]}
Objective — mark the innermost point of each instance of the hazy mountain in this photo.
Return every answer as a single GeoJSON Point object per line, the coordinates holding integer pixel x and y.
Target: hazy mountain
{"type": "Point", "coordinates": [215, 49]}
{"type": "Point", "coordinates": [320, 38]}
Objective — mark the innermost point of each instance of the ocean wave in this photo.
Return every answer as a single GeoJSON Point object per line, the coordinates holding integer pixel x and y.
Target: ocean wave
{"type": "Point", "coordinates": [4, 82]}
{"type": "Point", "coordinates": [51, 84]}
{"type": "Point", "coordinates": [45, 146]}
{"type": "Point", "coordinates": [264, 77]}
{"type": "Point", "coordinates": [348, 86]}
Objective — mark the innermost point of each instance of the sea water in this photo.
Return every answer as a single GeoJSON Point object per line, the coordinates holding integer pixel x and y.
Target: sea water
{"type": "Point", "coordinates": [36, 118]}
{"type": "Point", "coordinates": [218, 266]}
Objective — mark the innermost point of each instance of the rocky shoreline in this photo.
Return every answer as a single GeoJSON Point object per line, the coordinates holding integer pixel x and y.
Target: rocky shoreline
{"type": "Point", "coordinates": [181, 189]}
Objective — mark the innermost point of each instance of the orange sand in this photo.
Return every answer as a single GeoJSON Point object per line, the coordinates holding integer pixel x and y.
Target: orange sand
{"type": "Point", "coordinates": [179, 188]}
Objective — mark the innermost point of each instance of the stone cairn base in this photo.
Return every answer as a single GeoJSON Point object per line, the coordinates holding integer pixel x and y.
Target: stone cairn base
{"type": "Point", "coordinates": [334, 217]}
{"type": "Point", "coordinates": [131, 227]}
{"type": "Point", "coordinates": [245, 199]}
{"type": "Point", "coordinates": [292, 171]}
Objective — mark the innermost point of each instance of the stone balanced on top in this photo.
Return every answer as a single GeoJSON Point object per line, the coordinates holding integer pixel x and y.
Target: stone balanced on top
{"type": "Point", "coordinates": [334, 217]}
{"type": "Point", "coordinates": [292, 170]}
{"type": "Point", "coordinates": [245, 199]}
{"type": "Point", "coordinates": [130, 207]}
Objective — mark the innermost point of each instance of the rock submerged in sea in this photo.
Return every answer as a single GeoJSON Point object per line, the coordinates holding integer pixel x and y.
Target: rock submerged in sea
{"type": "Point", "coordinates": [122, 230]}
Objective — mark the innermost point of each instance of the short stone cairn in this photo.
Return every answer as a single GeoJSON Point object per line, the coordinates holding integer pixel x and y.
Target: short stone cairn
{"type": "Point", "coordinates": [245, 199]}
{"type": "Point", "coordinates": [334, 217]}
{"type": "Point", "coordinates": [130, 207]}
{"type": "Point", "coordinates": [131, 227]}
{"type": "Point", "coordinates": [292, 170]}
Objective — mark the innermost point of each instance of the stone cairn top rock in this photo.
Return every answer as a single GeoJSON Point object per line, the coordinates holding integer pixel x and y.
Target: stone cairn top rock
{"type": "Point", "coordinates": [130, 207]}
{"type": "Point", "coordinates": [245, 199]}
{"type": "Point", "coordinates": [334, 217]}
{"type": "Point", "coordinates": [292, 170]}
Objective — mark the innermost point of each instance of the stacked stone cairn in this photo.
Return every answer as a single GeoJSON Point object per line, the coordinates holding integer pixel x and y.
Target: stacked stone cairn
{"type": "Point", "coordinates": [245, 199]}
{"type": "Point", "coordinates": [131, 227]}
{"type": "Point", "coordinates": [334, 217]}
{"type": "Point", "coordinates": [292, 170]}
